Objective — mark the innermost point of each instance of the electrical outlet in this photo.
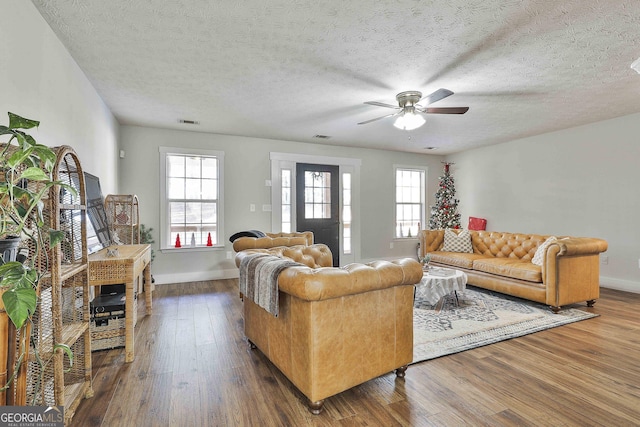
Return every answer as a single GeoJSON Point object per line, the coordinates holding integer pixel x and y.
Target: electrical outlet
{"type": "Point", "coordinates": [638, 262]}
{"type": "Point", "coordinates": [391, 245]}
{"type": "Point", "coordinates": [252, 207]}
{"type": "Point", "coordinates": [604, 259]}
{"type": "Point", "coordinates": [228, 254]}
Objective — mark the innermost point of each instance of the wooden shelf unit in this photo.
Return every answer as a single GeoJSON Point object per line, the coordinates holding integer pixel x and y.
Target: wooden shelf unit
{"type": "Point", "coordinates": [62, 313]}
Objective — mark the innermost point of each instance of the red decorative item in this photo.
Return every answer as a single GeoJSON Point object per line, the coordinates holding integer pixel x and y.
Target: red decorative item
{"type": "Point", "coordinates": [209, 242]}
{"type": "Point", "coordinates": [477, 223]}
{"type": "Point", "coordinates": [178, 245]}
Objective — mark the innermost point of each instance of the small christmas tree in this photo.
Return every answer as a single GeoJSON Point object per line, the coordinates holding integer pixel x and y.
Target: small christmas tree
{"type": "Point", "coordinates": [445, 212]}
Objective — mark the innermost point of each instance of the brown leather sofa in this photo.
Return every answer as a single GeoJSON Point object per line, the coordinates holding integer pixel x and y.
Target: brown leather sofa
{"type": "Point", "coordinates": [336, 327]}
{"type": "Point", "coordinates": [502, 262]}
{"type": "Point", "coordinates": [272, 240]}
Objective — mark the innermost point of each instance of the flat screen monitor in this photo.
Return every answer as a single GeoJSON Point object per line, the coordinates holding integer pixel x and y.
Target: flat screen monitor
{"type": "Point", "coordinates": [98, 234]}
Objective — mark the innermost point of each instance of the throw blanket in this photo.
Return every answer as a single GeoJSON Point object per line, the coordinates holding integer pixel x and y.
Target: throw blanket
{"type": "Point", "coordinates": [259, 279]}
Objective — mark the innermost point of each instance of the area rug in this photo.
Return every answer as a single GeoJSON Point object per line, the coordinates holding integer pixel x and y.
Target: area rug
{"type": "Point", "coordinates": [477, 317]}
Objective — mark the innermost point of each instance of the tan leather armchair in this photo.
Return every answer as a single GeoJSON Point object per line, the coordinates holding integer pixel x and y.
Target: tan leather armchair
{"type": "Point", "coordinates": [336, 327]}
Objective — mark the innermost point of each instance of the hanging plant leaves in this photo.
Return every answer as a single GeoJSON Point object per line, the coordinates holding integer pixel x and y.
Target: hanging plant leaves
{"type": "Point", "coordinates": [20, 304]}
{"type": "Point", "coordinates": [17, 122]}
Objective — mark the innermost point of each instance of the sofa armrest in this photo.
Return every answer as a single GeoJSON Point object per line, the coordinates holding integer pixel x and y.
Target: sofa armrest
{"type": "Point", "coordinates": [570, 247]}
{"type": "Point", "coordinates": [573, 246]}
{"type": "Point", "coordinates": [331, 282]}
{"type": "Point", "coordinates": [430, 241]}
{"type": "Point", "coordinates": [570, 270]}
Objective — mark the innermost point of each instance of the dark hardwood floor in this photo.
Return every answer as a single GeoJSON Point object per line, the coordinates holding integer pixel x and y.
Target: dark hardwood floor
{"type": "Point", "coordinates": [193, 367]}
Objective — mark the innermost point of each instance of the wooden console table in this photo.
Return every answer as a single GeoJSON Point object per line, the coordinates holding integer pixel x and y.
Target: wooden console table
{"type": "Point", "coordinates": [124, 267]}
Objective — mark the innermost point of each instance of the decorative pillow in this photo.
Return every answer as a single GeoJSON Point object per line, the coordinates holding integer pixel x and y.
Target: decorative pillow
{"type": "Point", "coordinates": [539, 255]}
{"type": "Point", "coordinates": [460, 242]}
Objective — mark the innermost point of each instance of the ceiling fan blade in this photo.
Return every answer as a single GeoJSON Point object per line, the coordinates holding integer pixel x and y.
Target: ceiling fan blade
{"type": "Point", "coordinates": [436, 96]}
{"type": "Point", "coordinates": [382, 104]}
{"type": "Point", "coordinates": [379, 118]}
{"type": "Point", "coordinates": [445, 110]}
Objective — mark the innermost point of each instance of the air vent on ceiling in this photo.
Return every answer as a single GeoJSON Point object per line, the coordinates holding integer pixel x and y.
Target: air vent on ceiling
{"type": "Point", "coordinates": [188, 122]}
{"type": "Point", "coordinates": [322, 136]}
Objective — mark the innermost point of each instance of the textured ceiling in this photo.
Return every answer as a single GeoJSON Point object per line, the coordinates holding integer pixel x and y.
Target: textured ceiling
{"type": "Point", "coordinates": [291, 69]}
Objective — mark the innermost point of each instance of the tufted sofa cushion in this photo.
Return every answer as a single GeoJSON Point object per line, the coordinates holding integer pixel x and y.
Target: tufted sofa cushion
{"type": "Point", "coordinates": [510, 267]}
{"type": "Point", "coordinates": [272, 240]}
{"type": "Point", "coordinates": [314, 256]}
{"type": "Point", "coordinates": [506, 245]}
{"type": "Point", "coordinates": [318, 284]}
{"type": "Point", "coordinates": [491, 243]}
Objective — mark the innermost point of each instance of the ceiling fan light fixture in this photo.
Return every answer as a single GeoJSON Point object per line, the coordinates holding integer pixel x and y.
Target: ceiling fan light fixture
{"type": "Point", "coordinates": [409, 121]}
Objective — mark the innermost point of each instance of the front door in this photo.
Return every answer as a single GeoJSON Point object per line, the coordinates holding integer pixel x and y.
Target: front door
{"type": "Point", "coordinates": [317, 204]}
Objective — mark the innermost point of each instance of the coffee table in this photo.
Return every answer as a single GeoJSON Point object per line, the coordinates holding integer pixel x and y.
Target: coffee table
{"type": "Point", "coordinates": [438, 282]}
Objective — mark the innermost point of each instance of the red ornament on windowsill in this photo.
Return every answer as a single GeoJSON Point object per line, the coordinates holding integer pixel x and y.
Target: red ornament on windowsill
{"type": "Point", "coordinates": [178, 245]}
{"type": "Point", "coordinates": [209, 243]}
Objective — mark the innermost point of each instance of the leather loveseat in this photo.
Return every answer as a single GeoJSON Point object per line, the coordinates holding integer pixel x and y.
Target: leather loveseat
{"type": "Point", "coordinates": [502, 262]}
{"type": "Point", "coordinates": [336, 327]}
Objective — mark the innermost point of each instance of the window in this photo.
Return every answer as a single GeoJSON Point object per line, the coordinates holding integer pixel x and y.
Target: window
{"type": "Point", "coordinates": [410, 201]}
{"type": "Point", "coordinates": [346, 213]}
{"type": "Point", "coordinates": [286, 200]}
{"type": "Point", "coordinates": [317, 195]}
{"type": "Point", "coordinates": [191, 198]}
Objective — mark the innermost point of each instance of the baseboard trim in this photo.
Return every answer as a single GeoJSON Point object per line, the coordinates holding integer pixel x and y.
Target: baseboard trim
{"type": "Point", "coordinates": [620, 284]}
{"type": "Point", "coordinates": [163, 279]}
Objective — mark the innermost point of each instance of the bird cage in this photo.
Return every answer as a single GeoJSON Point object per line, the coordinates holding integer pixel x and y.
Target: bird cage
{"type": "Point", "coordinates": [123, 218]}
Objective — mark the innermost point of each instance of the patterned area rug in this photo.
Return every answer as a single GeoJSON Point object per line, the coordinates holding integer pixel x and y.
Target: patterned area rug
{"type": "Point", "coordinates": [479, 317]}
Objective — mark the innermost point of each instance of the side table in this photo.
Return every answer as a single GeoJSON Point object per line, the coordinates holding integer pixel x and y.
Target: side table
{"type": "Point", "coordinates": [124, 264]}
{"type": "Point", "coordinates": [433, 287]}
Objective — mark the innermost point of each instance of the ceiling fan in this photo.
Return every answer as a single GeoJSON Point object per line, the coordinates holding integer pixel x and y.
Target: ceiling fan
{"type": "Point", "coordinates": [408, 107]}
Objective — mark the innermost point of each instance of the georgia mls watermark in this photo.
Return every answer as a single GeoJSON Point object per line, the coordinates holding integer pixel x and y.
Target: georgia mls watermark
{"type": "Point", "coordinates": [31, 416]}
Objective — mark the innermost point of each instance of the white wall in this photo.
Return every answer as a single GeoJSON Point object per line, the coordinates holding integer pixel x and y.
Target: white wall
{"type": "Point", "coordinates": [247, 166]}
{"type": "Point", "coordinates": [39, 80]}
{"type": "Point", "coordinates": [581, 181]}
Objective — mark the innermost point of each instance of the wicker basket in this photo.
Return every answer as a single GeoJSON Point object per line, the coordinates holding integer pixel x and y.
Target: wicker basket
{"type": "Point", "coordinates": [108, 330]}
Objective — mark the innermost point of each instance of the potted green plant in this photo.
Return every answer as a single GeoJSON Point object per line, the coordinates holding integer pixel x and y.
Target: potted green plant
{"type": "Point", "coordinates": [425, 260]}
{"type": "Point", "coordinates": [26, 176]}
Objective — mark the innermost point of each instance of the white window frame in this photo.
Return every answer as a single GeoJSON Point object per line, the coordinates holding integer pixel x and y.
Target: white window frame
{"type": "Point", "coordinates": [280, 161]}
{"type": "Point", "coordinates": [165, 243]}
{"type": "Point", "coordinates": [423, 197]}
